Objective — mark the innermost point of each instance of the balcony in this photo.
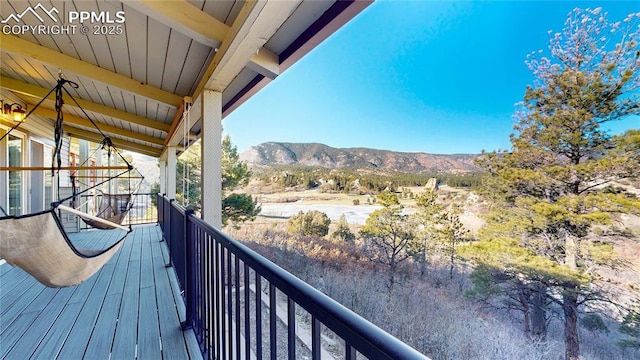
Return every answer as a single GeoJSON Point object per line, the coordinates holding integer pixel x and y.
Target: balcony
{"type": "Point", "coordinates": [130, 307]}
{"type": "Point", "coordinates": [182, 290]}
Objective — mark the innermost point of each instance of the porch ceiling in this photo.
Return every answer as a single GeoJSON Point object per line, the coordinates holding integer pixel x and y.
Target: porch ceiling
{"type": "Point", "coordinates": [133, 83]}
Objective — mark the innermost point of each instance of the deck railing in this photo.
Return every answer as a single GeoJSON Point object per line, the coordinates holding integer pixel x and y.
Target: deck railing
{"type": "Point", "coordinates": [242, 306]}
{"type": "Point", "coordinates": [142, 210]}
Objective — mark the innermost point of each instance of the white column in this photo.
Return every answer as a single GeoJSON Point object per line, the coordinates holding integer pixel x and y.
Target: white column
{"type": "Point", "coordinates": [163, 176]}
{"type": "Point", "coordinates": [211, 147]}
{"type": "Point", "coordinates": [171, 172]}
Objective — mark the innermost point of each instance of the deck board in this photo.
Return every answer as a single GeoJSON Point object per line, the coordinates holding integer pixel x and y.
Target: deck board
{"type": "Point", "coordinates": [41, 325]}
{"type": "Point", "coordinates": [14, 310]}
{"type": "Point", "coordinates": [126, 309]}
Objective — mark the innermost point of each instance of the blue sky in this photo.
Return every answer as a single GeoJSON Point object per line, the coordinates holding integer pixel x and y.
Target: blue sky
{"type": "Point", "coordinates": [425, 76]}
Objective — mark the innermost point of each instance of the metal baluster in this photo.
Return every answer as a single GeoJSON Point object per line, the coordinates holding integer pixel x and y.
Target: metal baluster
{"type": "Point", "coordinates": [291, 328]}
{"type": "Point", "coordinates": [229, 332]}
{"type": "Point", "coordinates": [237, 292]}
{"type": "Point", "coordinates": [350, 352]}
{"type": "Point", "coordinates": [272, 322]}
{"type": "Point", "coordinates": [316, 343]}
{"type": "Point", "coordinates": [223, 317]}
{"type": "Point", "coordinates": [247, 306]}
{"type": "Point", "coordinates": [258, 316]}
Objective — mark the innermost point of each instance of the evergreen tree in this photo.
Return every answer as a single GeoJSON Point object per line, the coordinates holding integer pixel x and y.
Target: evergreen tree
{"type": "Point", "coordinates": [235, 173]}
{"type": "Point", "coordinates": [452, 233]}
{"type": "Point", "coordinates": [428, 218]}
{"type": "Point", "coordinates": [342, 231]}
{"type": "Point", "coordinates": [188, 179]}
{"type": "Point", "coordinates": [389, 235]}
{"type": "Point", "coordinates": [549, 187]}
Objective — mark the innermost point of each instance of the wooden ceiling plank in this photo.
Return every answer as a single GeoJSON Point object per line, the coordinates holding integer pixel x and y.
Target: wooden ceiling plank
{"type": "Point", "coordinates": [23, 66]}
{"type": "Point", "coordinates": [129, 103]}
{"type": "Point", "coordinates": [45, 40]}
{"type": "Point", "coordinates": [136, 29]}
{"type": "Point", "coordinates": [117, 44]}
{"type": "Point", "coordinates": [141, 108]}
{"type": "Point", "coordinates": [80, 121]}
{"type": "Point", "coordinates": [64, 42]}
{"type": "Point", "coordinates": [197, 59]}
{"type": "Point", "coordinates": [54, 58]}
{"type": "Point", "coordinates": [157, 55]}
{"type": "Point", "coordinates": [12, 68]}
{"type": "Point", "coordinates": [177, 51]}
{"type": "Point", "coordinates": [121, 144]}
{"type": "Point", "coordinates": [152, 110]}
{"type": "Point", "coordinates": [105, 95]}
{"type": "Point", "coordinates": [80, 42]}
{"type": "Point", "coordinates": [99, 43]}
{"type": "Point", "coordinates": [38, 92]}
{"type": "Point", "coordinates": [185, 18]}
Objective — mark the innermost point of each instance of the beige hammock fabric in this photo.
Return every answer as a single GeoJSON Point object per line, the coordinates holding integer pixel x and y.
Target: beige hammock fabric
{"type": "Point", "coordinates": [113, 208]}
{"type": "Point", "coordinates": [37, 244]}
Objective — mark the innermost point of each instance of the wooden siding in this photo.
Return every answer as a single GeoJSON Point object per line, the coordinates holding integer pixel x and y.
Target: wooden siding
{"type": "Point", "coordinates": [128, 309]}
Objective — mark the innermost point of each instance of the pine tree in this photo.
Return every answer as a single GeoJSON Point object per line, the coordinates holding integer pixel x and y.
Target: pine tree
{"type": "Point", "coordinates": [428, 218]}
{"type": "Point", "coordinates": [235, 173]}
{"type": "Point", "coordinates": [342, 231]}
{"type": "Point", "coordinates": [550, 186]}
{"type": "Point", "coordinates": [389, 235]}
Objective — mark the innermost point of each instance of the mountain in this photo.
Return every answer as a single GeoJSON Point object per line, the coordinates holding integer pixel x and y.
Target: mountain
{"type": "Point", "coordinates": [314, 154]}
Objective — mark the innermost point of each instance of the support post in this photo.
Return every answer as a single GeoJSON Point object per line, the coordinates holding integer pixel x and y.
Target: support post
{"type": "Point", "coordinates": [211, 155]}
{"type": "Point", "coordinates": [163, 177]}
{"type": "Point", "coordinates": [171, 172]}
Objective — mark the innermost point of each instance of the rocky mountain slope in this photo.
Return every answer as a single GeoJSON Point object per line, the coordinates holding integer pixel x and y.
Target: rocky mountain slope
{"type": "Point", "coordinates": [314, 154]}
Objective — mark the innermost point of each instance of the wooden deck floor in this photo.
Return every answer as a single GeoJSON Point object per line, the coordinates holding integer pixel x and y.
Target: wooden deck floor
{"type": "Point", "coordinates": [129, 309]}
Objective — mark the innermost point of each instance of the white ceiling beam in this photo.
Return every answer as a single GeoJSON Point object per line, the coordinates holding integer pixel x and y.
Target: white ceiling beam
{"type": "Point", "coordinates": [190, 21]}
{"type": "Point", "coordinates": [70, 64]}
{"type": "Point", "coordinates": [266, 63]}
{"type": "Point", "coordinates": [184, 18]}
{"type": "Point", "coordinates": [120, 143]}
{"type": "Point", "coordinates": [80, 121]}
{"type": "Point", "coordinates": [257, 22]}
{"type": "Point", "coordinates": [38, 92]}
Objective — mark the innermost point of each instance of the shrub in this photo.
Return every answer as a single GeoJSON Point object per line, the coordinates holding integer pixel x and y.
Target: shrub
{"type": "Point", "coordinates": [312, 223]}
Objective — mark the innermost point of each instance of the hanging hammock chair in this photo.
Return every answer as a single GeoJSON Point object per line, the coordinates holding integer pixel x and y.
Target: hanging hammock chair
{"type": "Point", "coordinates": [38, 244]}
{"type": "Point", "coordinates": [111, 207]}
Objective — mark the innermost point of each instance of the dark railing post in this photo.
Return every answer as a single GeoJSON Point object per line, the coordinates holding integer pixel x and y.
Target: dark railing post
{"type": "Point", "coordinates": [169, 220]}
{"type": "Point", "coordinates": [160, 212]}
{"type": "Point", "coordinates": [190, 290]}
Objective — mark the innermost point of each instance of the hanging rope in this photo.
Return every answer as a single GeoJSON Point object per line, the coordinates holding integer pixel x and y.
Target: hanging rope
{"type": "Point", "coordinates": [58, 132]}
{"type": "Point", "coordinates": [186, 128]}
